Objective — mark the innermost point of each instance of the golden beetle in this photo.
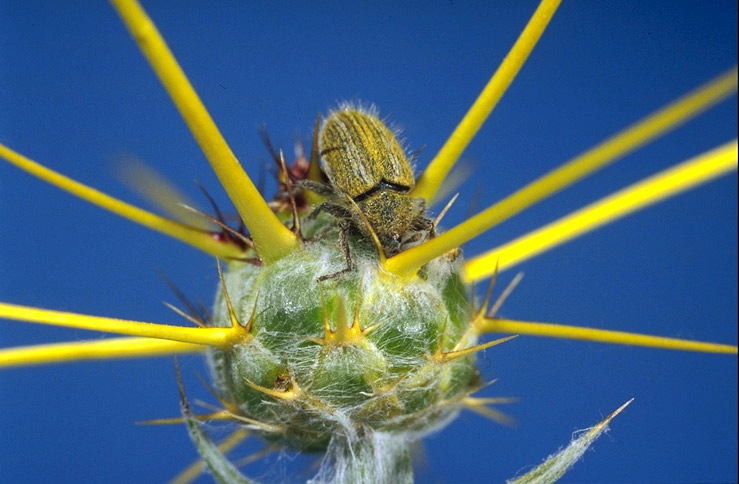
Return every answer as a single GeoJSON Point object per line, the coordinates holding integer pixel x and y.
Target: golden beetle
{"type": "Point", "coordinates": [367, 167]}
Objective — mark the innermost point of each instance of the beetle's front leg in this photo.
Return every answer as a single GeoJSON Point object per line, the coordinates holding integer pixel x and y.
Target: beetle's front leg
{"type": "Point", "coordinates": [425, 224]}
{"type": "Point", "coordinates": [333, 208]}
{"type": "Point", "coordinates": [343, 228]}
{"type": "Point", "coordinates": [316, 187]}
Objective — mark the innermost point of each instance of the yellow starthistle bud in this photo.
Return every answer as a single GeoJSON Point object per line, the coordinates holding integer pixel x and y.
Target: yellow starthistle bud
{"type": "Point", "coordinates": [76, 95]}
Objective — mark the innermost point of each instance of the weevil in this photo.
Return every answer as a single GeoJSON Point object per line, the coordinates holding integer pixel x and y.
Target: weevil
{"type": "Point", "coordinates": [365, 164]}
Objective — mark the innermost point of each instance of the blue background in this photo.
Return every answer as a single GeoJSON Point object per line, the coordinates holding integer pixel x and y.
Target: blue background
{"type": "Point", "coordinates": [76, 95]}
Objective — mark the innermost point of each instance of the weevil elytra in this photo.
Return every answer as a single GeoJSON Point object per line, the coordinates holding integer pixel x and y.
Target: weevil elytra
{"type": "Point", "coordinates": [364, 161]}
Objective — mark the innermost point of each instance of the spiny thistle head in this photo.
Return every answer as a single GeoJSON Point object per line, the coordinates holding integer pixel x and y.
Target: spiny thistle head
{"type": "Point", "coordinates": [350, 331]}
{"type": "Point", "coordinates": [347, 355]}
{"type": "Point", "coordinates": [338, 348]}
{"type": "Point", "coordinates": [339, 351]}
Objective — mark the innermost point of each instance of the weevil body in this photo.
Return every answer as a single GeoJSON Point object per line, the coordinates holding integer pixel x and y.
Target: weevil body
{"type": "Point", "coordinates": [365, 162]}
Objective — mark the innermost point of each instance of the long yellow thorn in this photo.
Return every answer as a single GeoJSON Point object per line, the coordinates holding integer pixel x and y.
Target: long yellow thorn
{"type": "Point", "coordinates": [273, 240]}
{"type": "Point", "coordinates": [487, 325]}
{"type": "Point", "coordinates": [434, 175]}
{"type": "Point", "coordinates": [684, 176]}
{"type": "Point", "coordinates": [408, 262]}
{"type": "Point", "coordinates": [104, 349]}
{"type": "Point", "coordinates": [219, 337]}
{"type": "Point", "coordinates": [194, 236]}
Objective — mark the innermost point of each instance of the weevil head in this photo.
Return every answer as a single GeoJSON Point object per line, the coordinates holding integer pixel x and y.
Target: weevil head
{"type": "Point", "coordinates": [393, 217]}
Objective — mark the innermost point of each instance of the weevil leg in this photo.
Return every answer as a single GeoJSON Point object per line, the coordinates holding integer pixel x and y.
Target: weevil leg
{"type": "Point", "coordinates": [316, 211]}
{"type": "Point", "coordinates": [333, 208]}
{"type": "Point", "coordinates": [343, 227]}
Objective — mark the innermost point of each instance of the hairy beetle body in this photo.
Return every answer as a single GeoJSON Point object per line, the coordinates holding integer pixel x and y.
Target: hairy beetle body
{"type": "Point", "coordinates": [364, 161]}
